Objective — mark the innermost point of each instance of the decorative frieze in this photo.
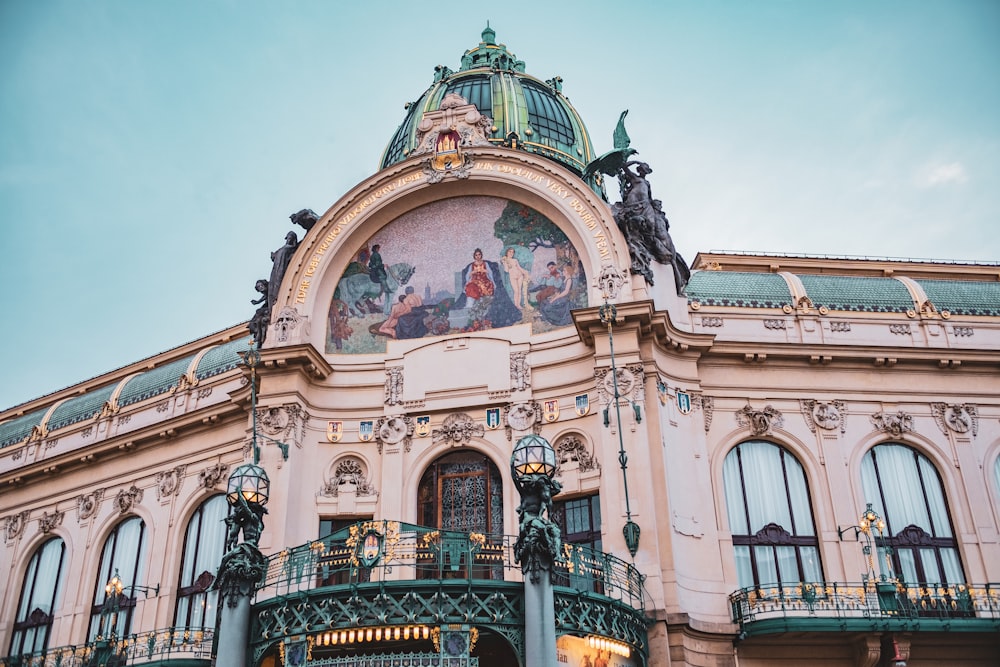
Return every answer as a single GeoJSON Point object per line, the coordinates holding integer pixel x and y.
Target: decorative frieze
{"type": "Point", "coordinates": [840, 326]}
{"type": "Point", "coordinates": [711, 322]}
{"type": "Point", "coordinates": [774, 324]}
{"type": "Point", "coordinates": [959, 418]}
{"type": "Point", "coordinates": [827, 415]}
{"type": "Point", "coordinates": [900, 329]}
{"type": "Point", "coordinates": [457, 429]}
{"type": "Point", "coordinates": [894, 424]}
{"type": "Point", "coordinates": [393, 431]}
{"type": "Point", "coordinates": [962, 331]}
{"type": "Point", "coordinates": [760, 422]}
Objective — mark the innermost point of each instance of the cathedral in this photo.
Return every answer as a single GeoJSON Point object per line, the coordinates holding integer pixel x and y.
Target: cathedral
{"type": "Point", "coordinates": [748, 459]}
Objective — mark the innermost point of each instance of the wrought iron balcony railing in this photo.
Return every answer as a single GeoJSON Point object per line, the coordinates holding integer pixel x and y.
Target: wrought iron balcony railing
{"type": "Point", "coordinates": [155, 646]}
{"type": "Point", "coordinates": [394, 551]}
{"type": "Point", "coordinates": [874, 604]}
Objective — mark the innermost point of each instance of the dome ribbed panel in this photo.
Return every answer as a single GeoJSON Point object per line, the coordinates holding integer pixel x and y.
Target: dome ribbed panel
{"type": "Point", "coordinates": [548, 117]}
{"type": "Point", "coordinates": [153, 382]}
{"type": "Point", "coordinates": [963, 297]}
{"type": "Point", "coordinates": [19, 428]}
{"type": "Point", "coordinates": [476, 90]}
{"type": "Point", "coordinates": [858, 293]}
{"type": "Point", "coordinates": [739, 289]}
{"type": "Point", "coordinates": [80, 408]}
{"type": "Point", "coordinates": [221, 358]}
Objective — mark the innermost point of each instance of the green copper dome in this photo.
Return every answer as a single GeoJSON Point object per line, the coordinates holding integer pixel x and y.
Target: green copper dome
{"type": "Point", "coordinates": [528, 113]}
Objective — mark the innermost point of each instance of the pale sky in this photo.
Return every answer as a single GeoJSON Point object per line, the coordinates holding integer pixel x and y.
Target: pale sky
{"type": "Point", "coordinates": [151, 151]}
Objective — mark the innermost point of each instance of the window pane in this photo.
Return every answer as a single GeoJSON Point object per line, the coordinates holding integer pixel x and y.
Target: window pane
{"type": "Point", "coordinates": [811, 571]}
{"type": "Point", "coordinates": [932, 574]}
{"type": "Point", "coordinates": [788, 565]}
{"type": "Point", "coordinates": [952, 566]}
{"type": "Point", "coordinates": [41, 590]}
{"type": "Point", "coordinates": [204, 543]}
{"type": "Point", "coordinates": [767, 569]}
{"type": "Point", "coordinates": [907, 562]}
{"type": "Point", "coordinates": [124, 553]}
{"type": "Point", "coordinates": [744, 569]}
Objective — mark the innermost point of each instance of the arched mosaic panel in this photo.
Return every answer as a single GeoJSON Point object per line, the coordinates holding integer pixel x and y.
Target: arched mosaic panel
{"type": "Point", "coordinates": [456, 265]}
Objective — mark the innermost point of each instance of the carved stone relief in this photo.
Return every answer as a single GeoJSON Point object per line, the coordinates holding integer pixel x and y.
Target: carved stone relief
{"type": "Point", "coordinates": [610, 281]}
{"type": "Point", "coordinates": [168, 482]}
{"type": "Point", "coordinates": [900, 329]}
{"type": "Point", "coordinates": [571, 449]}
{"type": "Point", "coordinates": [348, 473]}
{"type": "Point", "coordinates": [760, 422]}
{"type": "Point", "coordinates": [128, 498]}
{"type": "Point", "coordinates": [287, 321]}
{"type": "Point", "coordinates": [49, 521]}
{"type": "Point", "coordinates": [629, 383]}
{"type": "Point", "coordinates": [827, 415]}
{"type": "Point", "coordinates": [840, 326]}
{"type": "Point", "coordinates": [13, 525]}
{"type": "Point", "coordinates": [88, 504]}
{"type": "Point", "coordinates": [520, 371]}
{"type": "Point", "coordinates": [521, 417]}
{"type": "Point", "coordinates": [284, 423]}
{"type": "Point", "coordinates": [894, 424]}
{"type": "Point", "coordinates": [707, 405]}
{"type": "Point", "coordinates": [394, 430]}
{"type": "Point", "coordinates": [211, 476]}
{"type": "Point", "coordinates": [457, 429]}
{"type": "Point", "coordinates": [960, 418]}
{"type": "Point", "coordinates": [394, 385]}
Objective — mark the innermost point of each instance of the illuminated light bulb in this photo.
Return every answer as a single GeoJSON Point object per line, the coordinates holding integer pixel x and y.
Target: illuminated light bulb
{"type": "Point", "coordinates": [427, 632]}
{"type": "Point", "coordinates": [350, 636]}
{"type": "Point", "coordinates": [396, 633]}
{"type": "Point", "coordinates": [406, 632]}
{"type": "Point", "coordinates": [378, 634]}
{"type": "Point", "coordinates": [368, 634]}
{"type": "Point", "coordinates": [343, 636]}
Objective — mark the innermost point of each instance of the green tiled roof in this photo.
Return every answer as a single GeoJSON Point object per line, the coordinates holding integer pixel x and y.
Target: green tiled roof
{"type": "Point", "coordinates": [963, 297]}
{"type": "Point", "coordinates": [19, 428]}
{"type": "Point", "coordinates": [858, 293]}
{"type": "Point", "coordinates": [221, 358]}
{"type": "Point", "coordinates": [153, 382]}
{"type": "Point", "coordinates": [733, 288]}
{"type": "Point", "coordinates": [79, 408]}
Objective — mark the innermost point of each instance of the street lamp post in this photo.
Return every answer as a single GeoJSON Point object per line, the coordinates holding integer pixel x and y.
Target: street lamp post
{"type": "Point", "coordinates": [538, 546]}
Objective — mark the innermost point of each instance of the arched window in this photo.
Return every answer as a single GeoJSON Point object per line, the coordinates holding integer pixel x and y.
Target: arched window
{"type": "Point", "coordinates": [904, 487]}
{"type": "Point", "coordinates": [40, 594]}
{"type": "Point", "coordinates": [770, 517]}
{"type": "Point", "coordinates": [204, 543]}
{"type": "Point", "coordinates": [125, 553]}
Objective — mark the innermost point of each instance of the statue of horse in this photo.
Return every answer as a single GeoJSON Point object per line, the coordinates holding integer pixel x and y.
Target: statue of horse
{"type": "Point", "coordinates": [354, 289]}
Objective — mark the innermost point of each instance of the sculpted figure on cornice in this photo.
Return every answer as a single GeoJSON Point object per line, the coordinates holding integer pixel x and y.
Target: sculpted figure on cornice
{"type": "Point", "coordinates": [458, 429]}
{"type": "Point", "coordinates": [571, 449]}
{"type": "Point", "coordinates": [13, 525]}
{"type": "Point", "coordinates": [760, 422]}
{"type": "Point", "coordinates": [49, 521]}
{"type": "Point", "coordinates": [394, 430]}
{"type": "Point", "coordinates": [521, 417]}
{"type": "Point", "coordinates": [88, 504]}
{"type": "Point", "coordinates": [128, 498]}
{"type": "Point", "coordinates": [960, 418]}
{"type": "Point", "coordinates": [894, 424]}
{"type": "Point", "coordinates": [827, 415]}
{"type": "Point", "coordinates": [262, 317]}
{"type": "Point", "coordinates": [520, 371]}
{"type": "Point", "coordinates": [348, 472]}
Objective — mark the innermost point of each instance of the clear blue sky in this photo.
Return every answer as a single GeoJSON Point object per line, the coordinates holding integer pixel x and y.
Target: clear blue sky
{"type": "Point", "coordinates": [151, 152]}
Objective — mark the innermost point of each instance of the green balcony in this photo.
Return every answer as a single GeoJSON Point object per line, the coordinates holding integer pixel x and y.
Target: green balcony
{"type": "Point", "coordinates": [169, 647]}
{"type": "Point", "coordinates": [866, 607]}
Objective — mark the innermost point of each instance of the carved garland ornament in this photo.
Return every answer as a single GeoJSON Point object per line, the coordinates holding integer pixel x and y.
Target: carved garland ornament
{"type": "Point", "coordinates": [520, 371]}
{"type": "Point", "coordinates": [168, 482]}
{"type": "Point", "coordinates": [960, 418]}
{"type": "Point", "coordinates": [457, 429]}
{"type": "Point", "coordinates": [49, 521]}
{"type": "Point", "coordinates": [13, 526]}
{"type": "Point", "coordinates": [760, 422]}
{"type": "Point", "coordinates": [211, 476]}
{"type": "Point", "coordinates": [894, 424]}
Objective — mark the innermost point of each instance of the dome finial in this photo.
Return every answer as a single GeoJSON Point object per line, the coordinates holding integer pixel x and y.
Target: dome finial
{"type": "Point", "coordinates": [489, 35]}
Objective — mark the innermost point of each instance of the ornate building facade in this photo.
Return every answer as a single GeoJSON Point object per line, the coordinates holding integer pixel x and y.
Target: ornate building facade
{"type": "Point", "coordinates": [786, 460]}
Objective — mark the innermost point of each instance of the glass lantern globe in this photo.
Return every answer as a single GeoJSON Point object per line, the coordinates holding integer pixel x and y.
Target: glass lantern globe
{"type": "Point", "coordinates": [533, 455]}
{"type": "Point", "coordinates": [251, 481]}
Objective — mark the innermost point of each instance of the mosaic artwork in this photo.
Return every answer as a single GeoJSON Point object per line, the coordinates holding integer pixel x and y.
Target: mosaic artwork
{"type": "Point", "coordinates": [456, 265]}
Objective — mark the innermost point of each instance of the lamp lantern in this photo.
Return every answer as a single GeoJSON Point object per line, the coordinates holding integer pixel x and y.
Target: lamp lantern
{"type": "Point", "coordinates": [533, 455]}
{"type": "Point", "coordinates": [114, 586]}
{"type": "Point", "coordinates": [250, 481]}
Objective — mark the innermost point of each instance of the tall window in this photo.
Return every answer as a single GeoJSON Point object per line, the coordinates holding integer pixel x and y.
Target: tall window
{"type": "Point", "coordinates": [40, 595]}
{"type": "Point", "coordinates": [770, 518]}
{"type": "Point", "coordinates": [124, 552]}
{"type": "Point", "coordinates": [579, 520]}
{"type": "Point", "coordinates": [904, 487]}
{"type": "Point", "coordinates": [204, 543]}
